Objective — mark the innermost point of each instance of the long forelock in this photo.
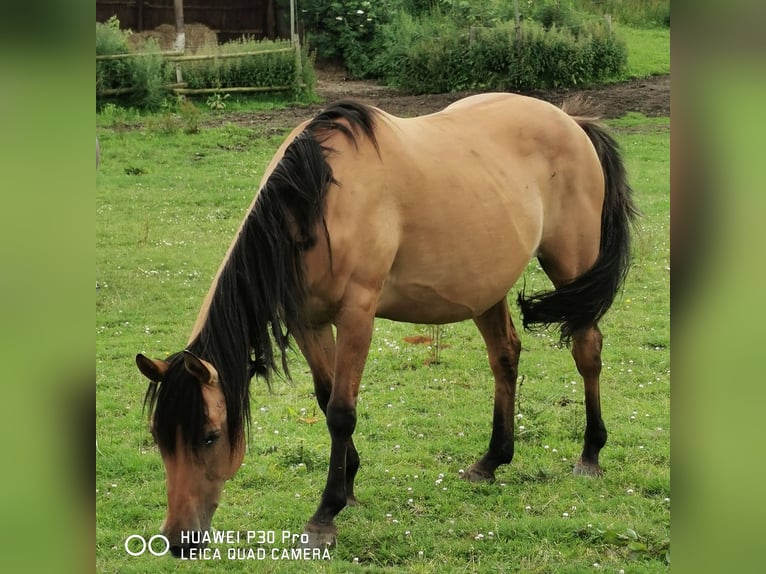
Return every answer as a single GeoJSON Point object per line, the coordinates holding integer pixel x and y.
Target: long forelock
{"type": "Point", "coordinates": [176, 404]}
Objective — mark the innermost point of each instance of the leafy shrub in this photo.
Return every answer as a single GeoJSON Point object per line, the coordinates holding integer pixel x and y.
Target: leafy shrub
{"type": "Point", "coordinates": [435, 55]}
{"type": "Point", "coordinates": [555, 13]}
{"type": "Point", "coordinates": [150, 78]}
{"type": "Point", "coordinates": [346, 30]}
{"type": "Point", "coordinates": [111, 40]}
{"type": "Point", "coordinates": [142, 78]}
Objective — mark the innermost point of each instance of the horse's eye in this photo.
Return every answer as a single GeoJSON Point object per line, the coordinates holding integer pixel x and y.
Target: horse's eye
{"type": "Point", "coordinates": [211, 437]}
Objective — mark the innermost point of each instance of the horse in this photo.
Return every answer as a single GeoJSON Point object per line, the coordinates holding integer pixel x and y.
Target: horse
{"type": "Point", "coordinates": [429, 220]}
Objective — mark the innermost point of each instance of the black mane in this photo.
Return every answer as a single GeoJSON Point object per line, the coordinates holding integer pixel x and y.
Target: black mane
{"type": "Point", "coordinates": [261, 289]}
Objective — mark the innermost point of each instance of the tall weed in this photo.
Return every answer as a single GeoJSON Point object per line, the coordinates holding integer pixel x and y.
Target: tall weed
{"type": "Point", "coordinates": [260, 70]}
{"type": "Point", "coordinates": [143, 76]}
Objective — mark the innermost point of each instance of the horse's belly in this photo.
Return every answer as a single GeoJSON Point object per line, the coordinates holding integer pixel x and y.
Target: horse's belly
{"type": "Point", "coordinates": [444, 291]}
{"type": "Point", "coordinates": [420, 304]}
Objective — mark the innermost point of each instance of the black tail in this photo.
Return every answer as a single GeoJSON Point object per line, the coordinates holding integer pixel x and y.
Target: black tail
{"type": "Point", "coordinates": [584, 301]}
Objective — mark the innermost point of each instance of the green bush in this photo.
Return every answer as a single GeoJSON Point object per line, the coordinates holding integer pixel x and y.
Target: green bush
{"type": "Point", "coordinates": [143, 77]}
{"type": "Point", "coordinates": [435, 55]}
{"type": "Point", "coordinates": [554, 13]}
{"type": "Point", "coordinates": [111, 40]}
{"type": "Point", "coordinates": [346, 30]}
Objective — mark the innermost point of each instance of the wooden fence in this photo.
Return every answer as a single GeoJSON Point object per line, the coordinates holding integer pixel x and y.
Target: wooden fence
{"type": "Point", "coordinates": [181, 88]}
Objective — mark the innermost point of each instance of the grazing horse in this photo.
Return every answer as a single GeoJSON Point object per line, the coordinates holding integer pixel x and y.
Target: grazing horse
{"type": "Point", "coordinates": [425, 220]}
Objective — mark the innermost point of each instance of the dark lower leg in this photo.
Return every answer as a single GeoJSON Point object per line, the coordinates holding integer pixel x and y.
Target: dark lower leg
{"type": "Point", "coordinates": [354, 328]}
{"type": "Point", "coordinates": [352, 466]}
{"type": "Point", "coordinates": [341, 423]}
{"type": "Point", "coordinates": [503, 347]}
{"type": "Point", "coordinates": [586, 350]}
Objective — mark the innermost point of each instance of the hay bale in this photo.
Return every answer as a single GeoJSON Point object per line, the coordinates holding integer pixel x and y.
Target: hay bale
{"type": "Point", "coordinates": [197, 36]}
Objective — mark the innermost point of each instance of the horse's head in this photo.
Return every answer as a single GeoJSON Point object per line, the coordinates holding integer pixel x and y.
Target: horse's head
{"type": "Point", "coordinates": [190, 427]}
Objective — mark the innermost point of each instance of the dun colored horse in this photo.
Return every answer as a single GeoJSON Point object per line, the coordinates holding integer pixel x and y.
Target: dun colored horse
{"type": "Point", "coordinates": [425, 220]}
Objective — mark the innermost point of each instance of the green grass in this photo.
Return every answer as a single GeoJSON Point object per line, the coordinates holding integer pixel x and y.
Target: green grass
{"type": "Point", "coordinates": [639, 13]}
{"type": "Point", "coordinates": [168, 204]}
{"type": "Point", "coordinates": [648, 51]}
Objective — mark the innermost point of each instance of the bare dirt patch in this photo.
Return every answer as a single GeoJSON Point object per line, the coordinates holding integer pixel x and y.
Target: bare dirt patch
{"type": "Point", "coordinates": [649, 96]}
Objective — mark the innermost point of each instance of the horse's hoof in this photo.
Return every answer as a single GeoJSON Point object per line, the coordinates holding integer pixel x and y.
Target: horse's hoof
{"type": "Point", "coordinates": [352, 501]}
{"type": "Point", "coordinates": [474, 474]}
{"type": "Point", "coordinates": [587, 469]}
{"type": "Point", "coordinates": [319, 536]}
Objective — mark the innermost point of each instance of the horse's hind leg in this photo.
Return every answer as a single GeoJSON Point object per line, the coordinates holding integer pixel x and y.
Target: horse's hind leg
{"type": "Point", "coordinates": [565, 256]}
{"type": "Point", "coordinates": [586, 350]}
{"type": "Point", "coordinates": [503, 348]}
{"type": "Point", "coordinates": [318, 347]}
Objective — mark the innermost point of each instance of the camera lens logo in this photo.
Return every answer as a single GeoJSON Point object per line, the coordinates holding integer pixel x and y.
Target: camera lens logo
{"type": "Point", "coordinates": [136, 545]}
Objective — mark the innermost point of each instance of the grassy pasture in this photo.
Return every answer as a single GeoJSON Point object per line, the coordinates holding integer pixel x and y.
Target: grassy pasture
{"type": "Point", "coordinates": [168, 204]}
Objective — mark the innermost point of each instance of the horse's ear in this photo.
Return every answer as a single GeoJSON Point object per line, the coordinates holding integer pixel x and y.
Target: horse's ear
{"type": "Point", "coordinates": [197, 368]}
{"type": "Point", "coordinates": [152, 369]}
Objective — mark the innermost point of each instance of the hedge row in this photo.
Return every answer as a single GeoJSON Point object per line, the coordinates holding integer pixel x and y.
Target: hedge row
{"type": "Point", "coordinates": [450, 45]}
{"type": "Point", "coordinates": [442, 57]}
{"type": "Point", "coordinates": [262, 70]}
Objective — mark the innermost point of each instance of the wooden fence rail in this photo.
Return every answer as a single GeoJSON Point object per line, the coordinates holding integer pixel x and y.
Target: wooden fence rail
{"type": "Point", "coordinates": [180, 87]}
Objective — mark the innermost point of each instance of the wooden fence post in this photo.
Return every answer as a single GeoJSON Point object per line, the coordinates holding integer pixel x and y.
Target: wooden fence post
{"type": "Point", "coordinates": [180, 43]}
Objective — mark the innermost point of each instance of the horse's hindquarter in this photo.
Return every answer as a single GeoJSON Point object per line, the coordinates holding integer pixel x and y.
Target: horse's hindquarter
{"type": "Point", "coordinates": [470, 188]}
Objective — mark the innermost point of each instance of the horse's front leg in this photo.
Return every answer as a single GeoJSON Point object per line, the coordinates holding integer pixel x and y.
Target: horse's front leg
{"type": "Point", "coordinates": [318, 347]}
{"type": "Point", "coordinates": [354, 333]}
